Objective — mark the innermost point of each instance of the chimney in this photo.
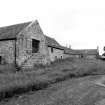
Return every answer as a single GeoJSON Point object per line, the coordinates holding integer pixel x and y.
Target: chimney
{"type": "Point", "coordinates": [69, 46]}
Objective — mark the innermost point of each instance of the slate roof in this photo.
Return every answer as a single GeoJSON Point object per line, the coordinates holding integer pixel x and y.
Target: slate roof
{"type": "Point", "coordinates": [89, 51]}
{"type": "Point", "coordinates": [78, 52]}
{"type": "Point", "coordinates": [52, 42]}
{"type": "Point", "coordinates": [11, 31]}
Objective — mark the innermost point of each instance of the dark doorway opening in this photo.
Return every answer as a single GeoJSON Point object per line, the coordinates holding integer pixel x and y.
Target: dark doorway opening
{"type": "Point", "coordinates": [35, 45]}
{"type": "Point", "coordinates": [52, 49]}
{"type": "Point", "coordinates": [81, 55]}
{"type": "Point", "coordinates": [0, 59]}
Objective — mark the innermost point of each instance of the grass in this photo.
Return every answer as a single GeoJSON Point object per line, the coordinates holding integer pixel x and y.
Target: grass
{"type": "Point", "coordinates": [38, 78]}
{"type": "Point", "coordinates": [75, 91]}
{"type": "Point", "coordinates": [7, 68]}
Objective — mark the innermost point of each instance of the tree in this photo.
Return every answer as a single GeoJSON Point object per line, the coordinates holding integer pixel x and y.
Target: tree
{"type": "Point", "coordinates": [103, 54]}
{"type": "Point", "coordinates": [104, 48]}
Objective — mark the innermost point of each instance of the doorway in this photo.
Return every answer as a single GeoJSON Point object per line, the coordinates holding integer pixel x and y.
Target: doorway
{"type": "Point", "coordinates": [35, 45]}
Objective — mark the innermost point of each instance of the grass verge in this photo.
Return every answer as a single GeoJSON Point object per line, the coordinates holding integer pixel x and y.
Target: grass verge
{"type": "Point", "coordinates": [12, 84]}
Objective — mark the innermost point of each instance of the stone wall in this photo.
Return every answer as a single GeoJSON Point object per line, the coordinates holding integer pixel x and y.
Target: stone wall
{"type": "Point", "coordinates": [24, 45]}
{"type": "Point", "coordinates": [66, 56]}
{"type": "Point", "coordinates": [91, 56]}
{"type": "Point", "coordinates": [7, 49]}
{"type": "Point", "coordinates": [71, 56]}
{"type": "Point", "coordinates": [56, 54]}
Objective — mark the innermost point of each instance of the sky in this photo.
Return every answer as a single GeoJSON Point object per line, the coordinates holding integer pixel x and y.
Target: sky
{"type": "Point", "coordinates": [76, 23]}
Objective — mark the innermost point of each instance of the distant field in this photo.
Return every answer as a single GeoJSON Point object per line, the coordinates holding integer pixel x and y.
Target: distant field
{"type": "Point", "coordinates": [40, 77]}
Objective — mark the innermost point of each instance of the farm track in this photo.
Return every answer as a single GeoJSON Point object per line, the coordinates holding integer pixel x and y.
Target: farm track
{"type": "Point", "coordinates": [17, 85]}
{"type": "Point", "coordinates": [6, 94]}
{"type": "Point", "coordinates": [15, 92]}
{"type": "Point", "coordinates": [73, 91]}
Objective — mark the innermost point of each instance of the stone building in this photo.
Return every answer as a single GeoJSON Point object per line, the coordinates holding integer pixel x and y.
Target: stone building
{"type": "Point", "coordinates": [86, 53]}
{"type": "Point", "coordinates": [25, 45]}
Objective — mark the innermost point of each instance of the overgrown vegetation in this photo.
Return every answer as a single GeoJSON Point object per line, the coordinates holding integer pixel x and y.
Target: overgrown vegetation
{"type": "Point", "coordinates": [7, 68]}
{"type": "Point", "coordinates": [41, 77]}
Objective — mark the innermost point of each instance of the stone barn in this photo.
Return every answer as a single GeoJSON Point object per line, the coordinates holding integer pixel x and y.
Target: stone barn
{"type": "Point", "coordinates": [86, 53]}
{"type": "Point", "coordinates": [56, 51]}
{"type": "Point", "coordinates": [89, 53]}
{"type": "Point", "coordinates": [71, 53]}
{"type": "Point", "coordinates": [25, 45]}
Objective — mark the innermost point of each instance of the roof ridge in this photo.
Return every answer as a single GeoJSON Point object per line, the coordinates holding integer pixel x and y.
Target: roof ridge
{"type": "Point", "coordinates": [14, 24]}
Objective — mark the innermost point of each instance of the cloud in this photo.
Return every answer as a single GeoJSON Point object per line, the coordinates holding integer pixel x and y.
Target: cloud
{"type": "Point", "coordinates": [80, 23]}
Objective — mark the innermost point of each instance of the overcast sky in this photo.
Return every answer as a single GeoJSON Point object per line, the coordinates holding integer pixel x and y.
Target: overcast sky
{"type": "Point", "coordinates": [79, 23]}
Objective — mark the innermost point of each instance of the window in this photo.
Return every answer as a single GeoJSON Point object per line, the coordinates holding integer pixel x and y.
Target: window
{"type": "Point", "coordinates": [52, 49]}
{"type": "Point", "coordinates": [25, 42]}
{"type": "Point", "coordinates": [55, 57]}
{"type": "Point", "coordinates": [35, 45]}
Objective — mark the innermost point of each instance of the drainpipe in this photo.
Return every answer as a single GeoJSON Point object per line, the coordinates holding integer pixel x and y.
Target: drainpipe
{"type": "Point", "coordinates": [15, 55]}
{"type": "Point", "coordinates": [97, 51]}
